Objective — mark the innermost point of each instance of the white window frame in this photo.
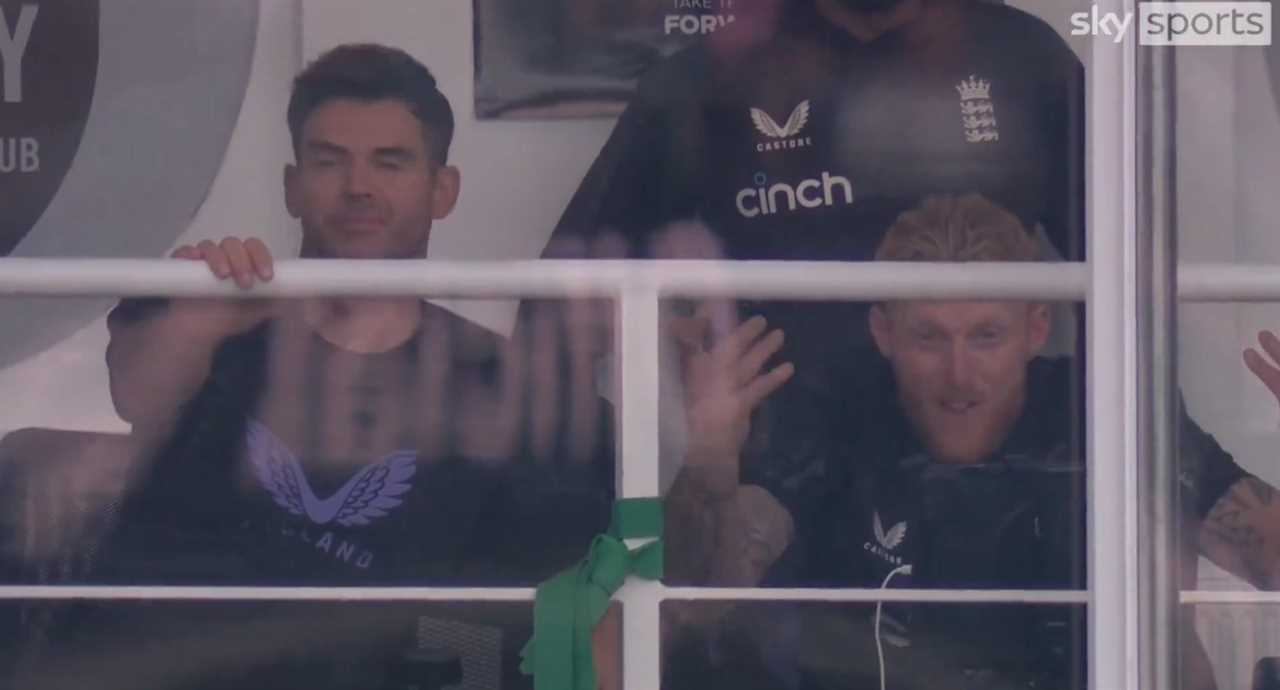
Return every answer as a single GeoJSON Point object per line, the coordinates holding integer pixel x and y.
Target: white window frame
{"type": "Point", "coordinates": [636, 288]}
{"type": "Point", "coordinates": [1105, 283]}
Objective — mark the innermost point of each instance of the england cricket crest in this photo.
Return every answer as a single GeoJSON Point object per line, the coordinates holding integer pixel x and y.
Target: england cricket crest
{"type": "Point", "coordinates": [977, 112]}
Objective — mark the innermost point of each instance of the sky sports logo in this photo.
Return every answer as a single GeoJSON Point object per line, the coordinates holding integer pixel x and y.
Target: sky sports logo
{"type": "Point", "coordinates": [1182, 24]}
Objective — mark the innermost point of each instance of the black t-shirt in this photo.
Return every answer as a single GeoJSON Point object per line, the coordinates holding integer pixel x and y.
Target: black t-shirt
{"type": "Point", "coordinates": [438, 499]}
{"type": "Point", "coordinates": [447, 488]}
{"type": "Point", "coordinates": [1014, 521]}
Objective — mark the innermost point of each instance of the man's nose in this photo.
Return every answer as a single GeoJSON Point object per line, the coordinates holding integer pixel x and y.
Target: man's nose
{"type": "Point", "coordinates": [359, 181]}
{"type": "Point", "coordinates": [959, 366]}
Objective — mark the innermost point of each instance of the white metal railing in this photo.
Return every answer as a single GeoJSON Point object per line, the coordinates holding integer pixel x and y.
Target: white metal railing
{"type": "Point", "coordinates": [638, 286]}
{"type": "Point", "coordinates": [358, 593]}
{"type": "Point", "coordinates": [796, 280]}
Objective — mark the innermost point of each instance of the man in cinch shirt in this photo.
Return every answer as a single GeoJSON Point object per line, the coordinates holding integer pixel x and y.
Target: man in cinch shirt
{"type": "Point", "coordinates": [344, 441]}
{"type": "Point", "coordinates": [965, 471]}
{"type": "Point", "coordinates": [800, 130]}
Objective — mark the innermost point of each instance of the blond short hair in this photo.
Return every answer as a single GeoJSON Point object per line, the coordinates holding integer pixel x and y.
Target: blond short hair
{"type": "Point", "coordinates": [958, 229]}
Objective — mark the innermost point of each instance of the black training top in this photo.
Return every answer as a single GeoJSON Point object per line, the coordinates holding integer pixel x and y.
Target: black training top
{"type": "Point", "coordinates": [1014, 521]}
{"type": "Point", "coordinates": [807, 144]}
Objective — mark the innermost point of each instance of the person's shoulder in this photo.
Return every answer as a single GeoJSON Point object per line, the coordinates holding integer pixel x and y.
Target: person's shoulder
{"type": "Point", "coordinates": [680, 77]}
{"type": "Point", "coordinates": [1002, 17]}
{"type": "Point", "coordinates": [1009, 28]}
{"type": "Point", "coordinates": [729, 54]}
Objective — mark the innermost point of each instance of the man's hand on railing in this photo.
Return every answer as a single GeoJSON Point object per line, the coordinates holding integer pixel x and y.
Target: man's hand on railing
{"type": "Point", "coordinates": [244, 261]}
{"type": "Point", "coordinates": [160, 352]}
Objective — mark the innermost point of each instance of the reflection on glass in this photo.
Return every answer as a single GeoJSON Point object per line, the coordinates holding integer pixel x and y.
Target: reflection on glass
{"type": "Point", "coordinates": [352, 441]}
{"type": "Point", "coordinates": [955, 462]}
{"type": "Point", "coordinates": [1230, 530]}
{"type": "Point", "coordinates": [824, 645]}
{"type": "Point", "coordinates": [451, 458]}
{"type": "Point", "coordinates": [269, 644]}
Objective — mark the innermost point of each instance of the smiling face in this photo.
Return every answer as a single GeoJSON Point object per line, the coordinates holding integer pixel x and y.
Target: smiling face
{"type": "Point", "coordinates": [961, 369]}
{"type": "Point", "coordinates": [365, 184]}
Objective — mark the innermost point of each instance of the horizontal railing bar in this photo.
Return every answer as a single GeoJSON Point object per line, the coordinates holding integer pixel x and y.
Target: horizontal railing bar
{"type": "Point", "coordinates": [481, 594]}
{"type": "Point", "coordinates": [1228, 282]}
{"type": "Point", "coordinates": [277, 593]}
{"type": "Point", "coordinates": [958, 596]}
{"type": "Point", "coordinates": [1221, 597]}
{"type": "Point", "coordinates": [799, 280]}
{"type": "Point", "coordinates": [1197, 282]}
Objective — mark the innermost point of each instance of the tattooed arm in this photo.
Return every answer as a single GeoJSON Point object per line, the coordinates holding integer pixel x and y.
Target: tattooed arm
{"type": "Point", "coordinates": [724, 538]}
{"type": "Point", "coordinates": [1242, 533]}
{"type": "Point", "coordinates": [719, 532]}
{"type": "Point", "coordinates": [694, 509]}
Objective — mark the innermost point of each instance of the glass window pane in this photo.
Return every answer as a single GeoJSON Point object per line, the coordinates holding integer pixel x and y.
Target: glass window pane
{"type": "Point", "coordinates": [284, 450]}
{"type": "Point", "coordinates": [171, 645]}
{"type": "Point", "coordinates": [1221, 211]}
{"type": "Point", "coordinates": [830, 645]}
{"type": "Point", "coordinates": [906, 444]}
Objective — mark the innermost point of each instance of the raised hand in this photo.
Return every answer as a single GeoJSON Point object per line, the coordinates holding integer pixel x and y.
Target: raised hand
{"type": "Point", "coordinates": [724, 382]}
{"type": "Point", "coordinates": [1265, 366]}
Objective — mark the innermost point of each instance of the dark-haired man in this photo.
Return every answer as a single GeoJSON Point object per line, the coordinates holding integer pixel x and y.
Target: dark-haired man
{"type": "Point", "coordinates": [345, 441]}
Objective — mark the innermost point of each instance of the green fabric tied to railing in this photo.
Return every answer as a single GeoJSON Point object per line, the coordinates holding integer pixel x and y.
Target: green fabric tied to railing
{"type": "Point", "coordinates": [569, 605]}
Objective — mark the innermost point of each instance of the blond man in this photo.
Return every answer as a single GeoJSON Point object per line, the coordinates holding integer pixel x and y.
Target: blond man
{"type": "Point", "coordinates": [962, 466]}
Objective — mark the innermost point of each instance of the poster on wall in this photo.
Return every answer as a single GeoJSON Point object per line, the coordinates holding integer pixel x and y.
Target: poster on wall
{"type": "Point", "coordinates": [580, 58]}
{"type": "Point", "coordinates": [115, 118]}
{"type": "Point", "coordinates": [49, 43]}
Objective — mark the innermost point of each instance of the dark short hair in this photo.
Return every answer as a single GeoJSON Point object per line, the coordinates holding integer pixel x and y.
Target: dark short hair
{"type": "Point", "coordinates": [371, 72]}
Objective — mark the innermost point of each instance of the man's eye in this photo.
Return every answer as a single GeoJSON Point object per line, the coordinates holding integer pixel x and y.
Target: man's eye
{"type": "Point", "coordinates": [929, 338]}
{"type": "Point", "coordinates": [989, 337]}
{"type": "Point", "coordinates": [324, 162]}
{"type": "Point", "coordinates": [390, 163]}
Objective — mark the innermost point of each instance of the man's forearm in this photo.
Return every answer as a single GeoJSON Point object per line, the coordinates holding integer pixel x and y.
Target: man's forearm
{"type": "Point", "coordinates": [1242, 533]}
{"type": "Point", "coordinates": [721, 533]}
{"type": "Point", "coordinates": [694, 508]}
{"type": "Point", "coordinates": [155, 366]}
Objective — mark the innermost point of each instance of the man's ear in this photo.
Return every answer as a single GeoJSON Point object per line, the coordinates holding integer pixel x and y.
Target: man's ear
{"type": "Point", "coordinates": [1038, 326]}
{"type": "Point", "coordinates": [446, 184]}
{"type": "Point", "coordinates": [292, 195]}
{"type": "Point", "coordinates": [878, 319]}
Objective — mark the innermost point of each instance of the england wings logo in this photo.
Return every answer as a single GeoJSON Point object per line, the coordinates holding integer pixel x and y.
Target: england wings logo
{"type": "Point", "coordinates": [370, 494]}
{"type": "Point", "coordinates": [794, 125]}
{"type": "Point", "coordinates": [895, 535]}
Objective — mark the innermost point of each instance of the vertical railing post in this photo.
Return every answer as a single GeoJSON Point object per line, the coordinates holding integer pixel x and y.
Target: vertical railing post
{"type": "Point", "coordinates": [1158, 505]}
{"type": "Point", "coordinates": [1111, 387]}
{"type": "Point", "coordinates": [638, 374]}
